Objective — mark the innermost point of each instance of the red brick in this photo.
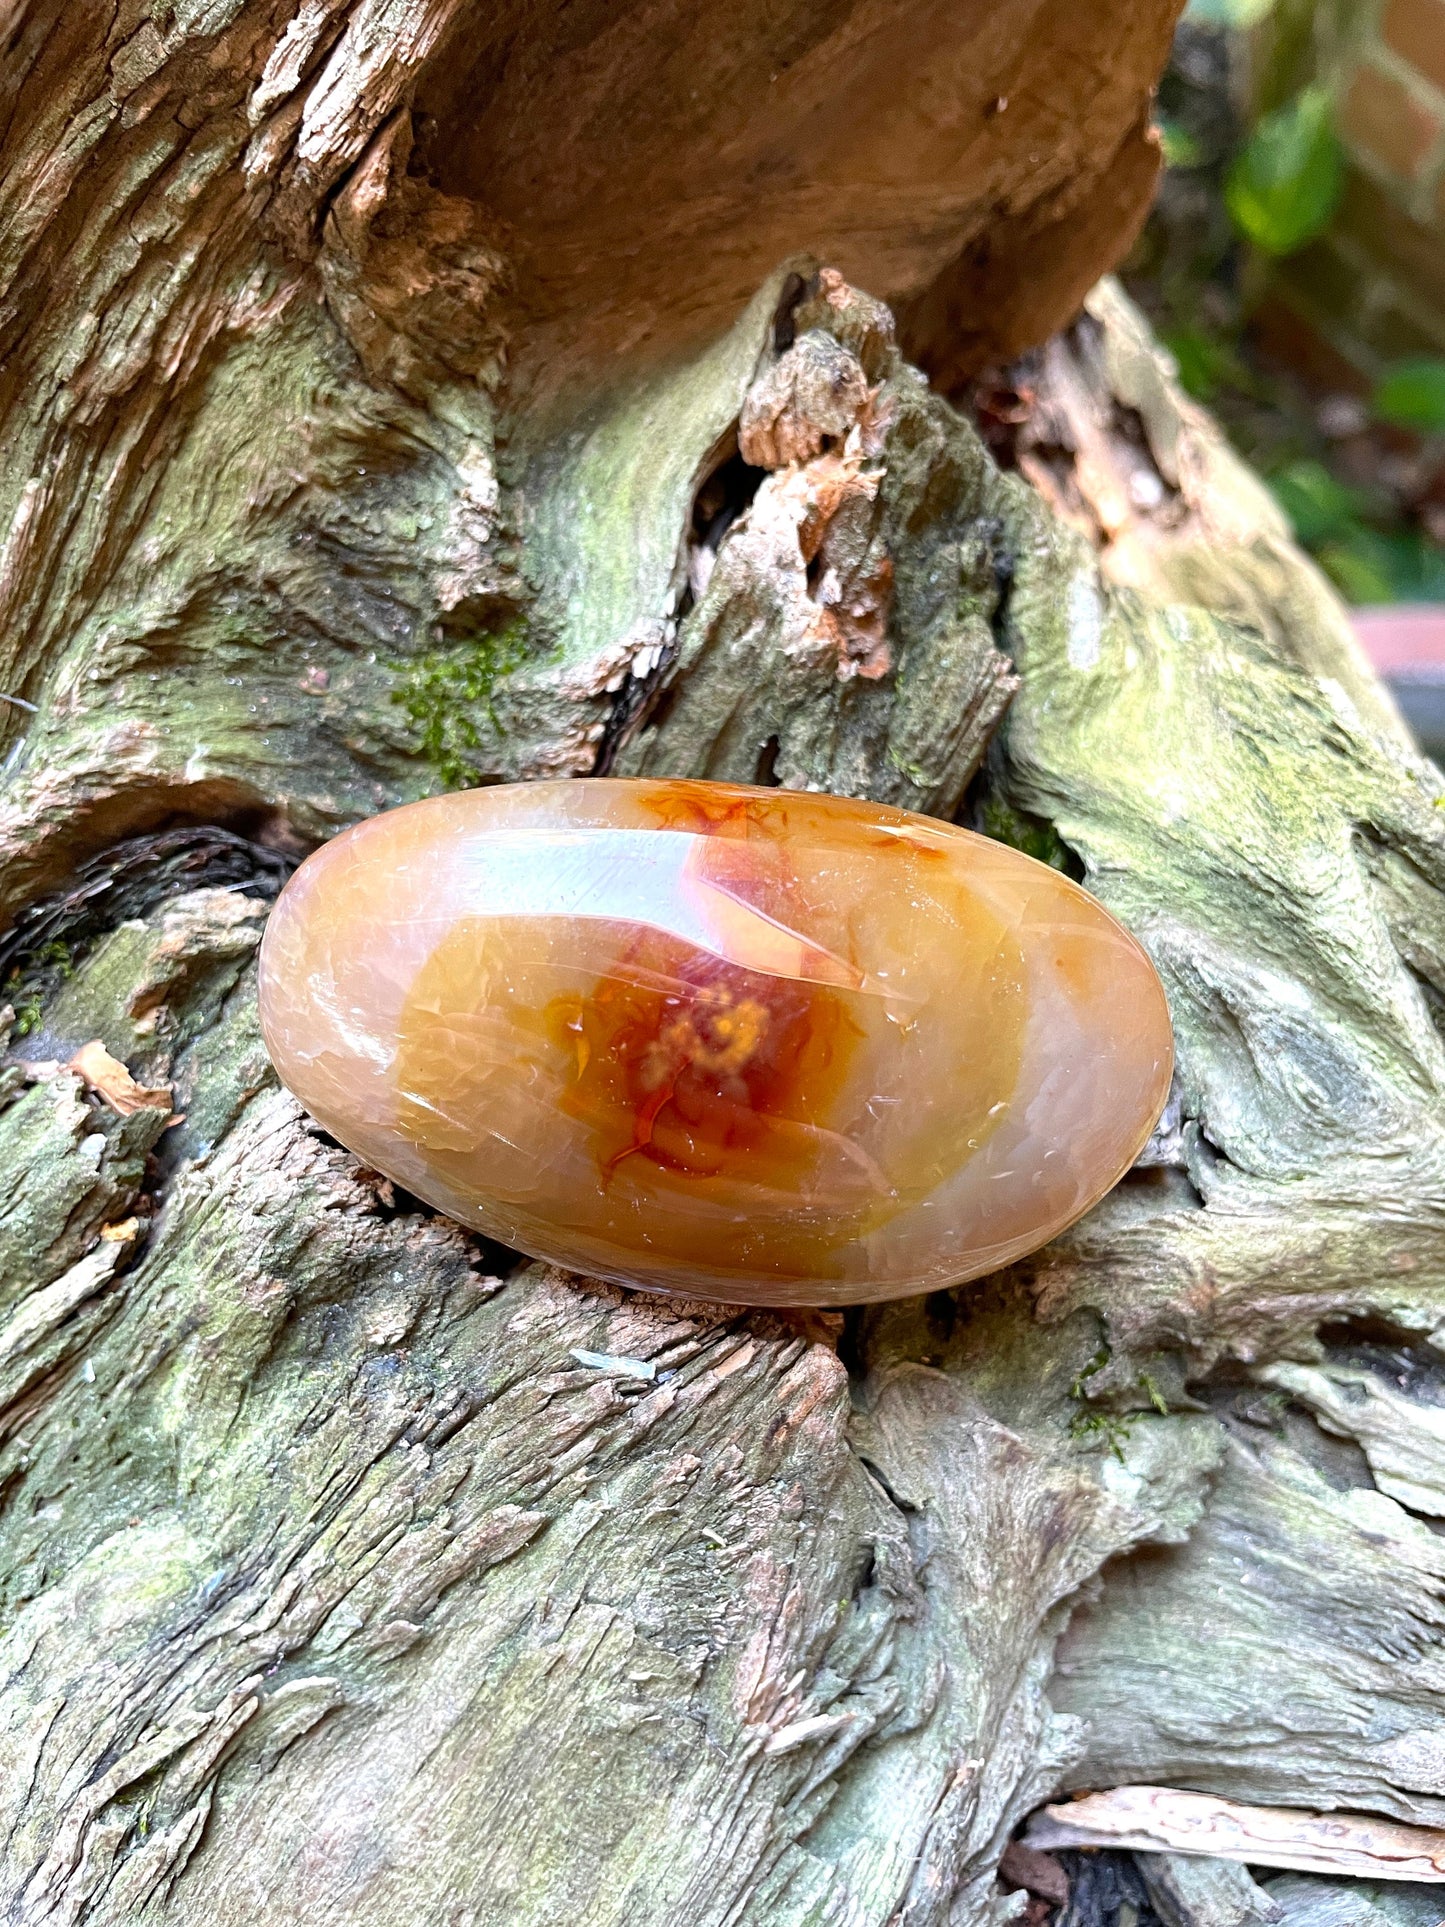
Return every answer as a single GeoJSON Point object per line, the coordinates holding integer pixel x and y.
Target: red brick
{"type": "Point", "coordinates": [1415, 29]}
{"type": "Point", "coordinates": [1388, 123]}
{"type": "Point", "coordinates": [1284, 336]}
{"type": "Point", "coordinates": [1393, 334]}
{"type": "Point", "coordinates": [1407, 251]}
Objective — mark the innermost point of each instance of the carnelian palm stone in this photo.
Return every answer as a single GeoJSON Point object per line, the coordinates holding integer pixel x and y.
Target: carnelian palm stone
{"type": "Point", "coordinates": [755, 1045]}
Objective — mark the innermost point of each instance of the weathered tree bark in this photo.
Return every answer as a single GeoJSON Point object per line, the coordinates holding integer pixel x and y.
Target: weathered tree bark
{"type": "Point", "coordinates": [394, 396]}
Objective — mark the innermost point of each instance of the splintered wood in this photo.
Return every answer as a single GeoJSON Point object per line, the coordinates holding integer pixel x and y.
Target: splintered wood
{"type": "Point", "coordinates": [1152, 1819]}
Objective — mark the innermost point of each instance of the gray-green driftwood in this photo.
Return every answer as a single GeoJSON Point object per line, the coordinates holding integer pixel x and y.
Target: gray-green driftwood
{"type": "Point", "coordinates": [350, 1573]}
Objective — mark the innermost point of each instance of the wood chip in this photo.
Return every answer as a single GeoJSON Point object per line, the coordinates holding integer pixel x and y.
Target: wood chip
{"type": "Point", "coordinates": [1163, 1820]}
{"type": "Point", "coordinates": [110, 1078]}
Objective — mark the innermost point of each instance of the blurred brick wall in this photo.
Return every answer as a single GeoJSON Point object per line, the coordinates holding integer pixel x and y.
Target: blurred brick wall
{"type": "Point", "coordinates": [1374, 287]}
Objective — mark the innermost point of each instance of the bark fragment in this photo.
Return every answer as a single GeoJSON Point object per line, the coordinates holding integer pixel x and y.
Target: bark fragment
{"type": "Point", "coordinates": [1145, 1816]}
{"type": "Point", "coordinates": [101, 1072]}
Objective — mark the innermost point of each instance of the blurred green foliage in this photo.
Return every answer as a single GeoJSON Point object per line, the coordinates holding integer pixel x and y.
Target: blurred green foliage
{"type": "Point", "coordinates": [1385, 565]}
{"type": "Point", "coordinates": [1208, 365]}
{"type": "Point", "coordinates": [1357, 539]}
{"type": "Point", "coordinates": [1412, 396]}
{"type": "Point", "coordinates": [1355, 534]}
{"type": "Point", "coordinates": [1180, 147]}
{"type": "Point", "coordinates": [1285, 182]}
{"type": "Point", "coordinates": [1255, 173]}
{"type": "Point", "coordinates": [1320, 508]}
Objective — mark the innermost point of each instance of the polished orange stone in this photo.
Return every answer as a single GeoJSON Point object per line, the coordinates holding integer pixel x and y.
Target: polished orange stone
{"type": "Point", "coordinates": [754, 1045]}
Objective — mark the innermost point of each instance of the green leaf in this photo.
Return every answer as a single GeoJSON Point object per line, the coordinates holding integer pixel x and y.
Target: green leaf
{"type": "Point", "coordinates": [1283, 187]}
{"type": "Point", "coordinates": [1412, 395]}
{"type": "Point", "coordinates": [1320, 508]}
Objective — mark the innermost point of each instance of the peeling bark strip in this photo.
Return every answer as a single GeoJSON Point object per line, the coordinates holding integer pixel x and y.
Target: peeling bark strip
{"type": "Point", "coordinates": [1160, 1819]}
{"type": "Point", "coordinates": [402, 394]}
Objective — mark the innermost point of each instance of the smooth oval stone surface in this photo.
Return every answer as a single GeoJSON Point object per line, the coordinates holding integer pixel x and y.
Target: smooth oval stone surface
{"type": "Point", "coordinates": [754, 1045]}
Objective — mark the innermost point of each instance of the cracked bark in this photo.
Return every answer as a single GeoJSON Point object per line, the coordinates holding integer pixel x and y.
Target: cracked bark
{"type": "Point", "coordinates": [389, 397]}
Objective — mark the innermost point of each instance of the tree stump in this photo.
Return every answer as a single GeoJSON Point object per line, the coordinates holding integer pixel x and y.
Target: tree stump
{"type": "Point", "coordinates": [396, 396]}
